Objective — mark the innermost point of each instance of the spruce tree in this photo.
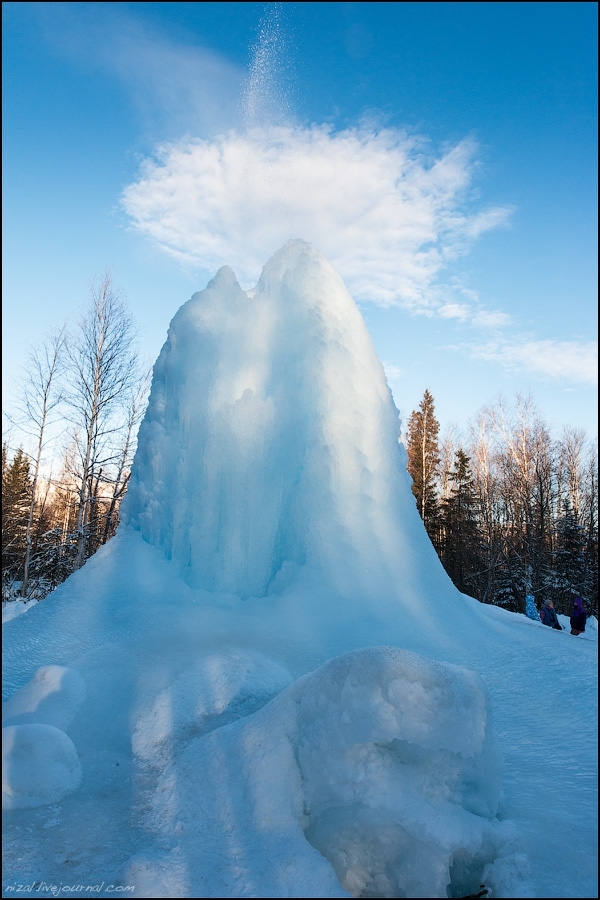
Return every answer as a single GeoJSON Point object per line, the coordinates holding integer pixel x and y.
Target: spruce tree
{"type": "Point", "coordinates": [16, 499]}
{"type": "Point", "coordinates": [460, 539]}
{"type": "Point", "coordinates": [567, 576]}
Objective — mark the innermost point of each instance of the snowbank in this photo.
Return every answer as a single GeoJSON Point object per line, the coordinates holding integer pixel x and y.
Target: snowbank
{"type": "Point", "coordinates": [14, 608]}
{"type": "Point", "coordinates": [382, 760]}
{"type": "Point", "coordinates": [39, 766]}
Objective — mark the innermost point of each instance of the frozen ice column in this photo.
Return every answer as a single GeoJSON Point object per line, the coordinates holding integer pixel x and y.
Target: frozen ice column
{"type": "Point", "coordinates": [271, 437]}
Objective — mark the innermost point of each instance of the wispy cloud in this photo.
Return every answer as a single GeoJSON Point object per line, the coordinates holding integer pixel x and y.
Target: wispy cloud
{"type": "Point", "coordinates": [177, 85]}
{"type": "Point", "coordinates": [570, 361]}
{"type": "Point", "coordinates": [388, 212]}
{"type": "Point", "coordinates": [454, 311]}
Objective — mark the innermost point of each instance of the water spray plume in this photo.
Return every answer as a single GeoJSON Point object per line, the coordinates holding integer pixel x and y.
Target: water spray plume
{"type": "Point", "coordinates": [265, 101]}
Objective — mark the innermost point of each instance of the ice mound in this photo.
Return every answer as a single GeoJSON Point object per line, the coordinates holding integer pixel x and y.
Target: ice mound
{"type": "Point", "coordinates": [381, 760]}
{"type": "Point", "coordinates": [404, 791]}
{"type": "Point", "coordinates": [39, 765]}
{"type": "Point", "coordinates": [52, 697]}
{"type": "Point", "coordinates": [271, 439]}
{"type": "Point", "coordinates": [217, 689]}
{"type": "Point", "coordinates": [39, 761]}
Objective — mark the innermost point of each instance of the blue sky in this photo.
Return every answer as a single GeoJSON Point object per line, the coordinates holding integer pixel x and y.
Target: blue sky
{"type": "Point", "coordinates": [442, 155]}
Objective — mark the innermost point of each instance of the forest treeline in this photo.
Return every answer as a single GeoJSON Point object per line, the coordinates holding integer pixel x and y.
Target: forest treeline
{"type": "Point", "coordinates": [81, 402]}
{"type": "Point", "coordinates": [511, 510]}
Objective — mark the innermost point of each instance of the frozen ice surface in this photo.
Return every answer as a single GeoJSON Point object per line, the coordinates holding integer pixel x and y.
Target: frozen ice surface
{"type": "Point", "coordinates": [268, 682]}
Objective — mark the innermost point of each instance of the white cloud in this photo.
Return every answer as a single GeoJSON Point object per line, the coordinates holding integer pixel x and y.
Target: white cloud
{"type": "Point", "coordinates": [454, 311]}
{"type": "Point", "coordinates": [491, 319]}
{"type": "Point", "coordinates": [388, 213]}
{"type": "Point", "coordinates": [490, 218]}
{"type": "Point", "coordinates": [392, 372]}
{"type": "Point", "coordinates": [561, 360]}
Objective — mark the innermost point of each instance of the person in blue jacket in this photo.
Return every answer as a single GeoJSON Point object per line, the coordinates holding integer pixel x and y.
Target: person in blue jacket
{"type": "Point", "coordinates": [548, 615]}
{"type": "Point", "coordinates": [578, 616]}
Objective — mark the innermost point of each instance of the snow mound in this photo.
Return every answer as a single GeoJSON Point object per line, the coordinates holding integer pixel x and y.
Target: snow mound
{"type": "Point", "coordinates": [381, 760]}
{"type": "Point", "coordinates": [217, 689]}
{"type": "Point", "coordinates": [39, 765]}
{"type": "Point", "coordinates": [591, 629]}
{"type": "Point", "coordinates": [52, 697]}
{"type": "Point", "coordinates": [397, 794]}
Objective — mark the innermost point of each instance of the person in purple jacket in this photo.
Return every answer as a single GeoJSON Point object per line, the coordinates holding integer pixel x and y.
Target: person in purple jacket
{"type": "Point", "coordinates": [548, 615]}
{"type": "Point", "coordinates": [578, 616]}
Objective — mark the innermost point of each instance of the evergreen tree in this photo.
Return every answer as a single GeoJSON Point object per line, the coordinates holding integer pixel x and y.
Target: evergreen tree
{"type": "Point", "coordinates": [423, 463]}
{"type": "Point", "coordinates": [16, 499]}
{"type": "Point", "coordinates": [531, 610]}
{"type": "Point", "coordinates": [460, 538]}
{"type": "Point", "coordinates": [567, 576]}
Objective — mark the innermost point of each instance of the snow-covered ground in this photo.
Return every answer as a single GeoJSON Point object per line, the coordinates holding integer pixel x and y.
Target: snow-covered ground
{"type": "Point", "coordinates": [265, 685]}
{"type": "Point", "coordinates": [13, 608]}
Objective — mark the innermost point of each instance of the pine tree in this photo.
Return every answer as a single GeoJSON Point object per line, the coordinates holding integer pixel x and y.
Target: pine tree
{"type": "Point", "coordinates": [567, 577]}
{"type": "Point", "coordinates": [460, 539]}
{"type": "Point", "coordinates": [16, 499]}
{"type": "Point", "coordinates": [423, 462]}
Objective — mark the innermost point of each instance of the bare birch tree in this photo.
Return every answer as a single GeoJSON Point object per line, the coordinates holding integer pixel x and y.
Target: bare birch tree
{"type": "Point", "coordinates": [571, 458]}
{"type": "Point", "coordinates": [135, 409]}
{"type": "Point", "coordinates": [103, 364]}
{"type": "Point", "coordinates": [485, 477]}
{"type": "Point", "coordinates": [42, 395]}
